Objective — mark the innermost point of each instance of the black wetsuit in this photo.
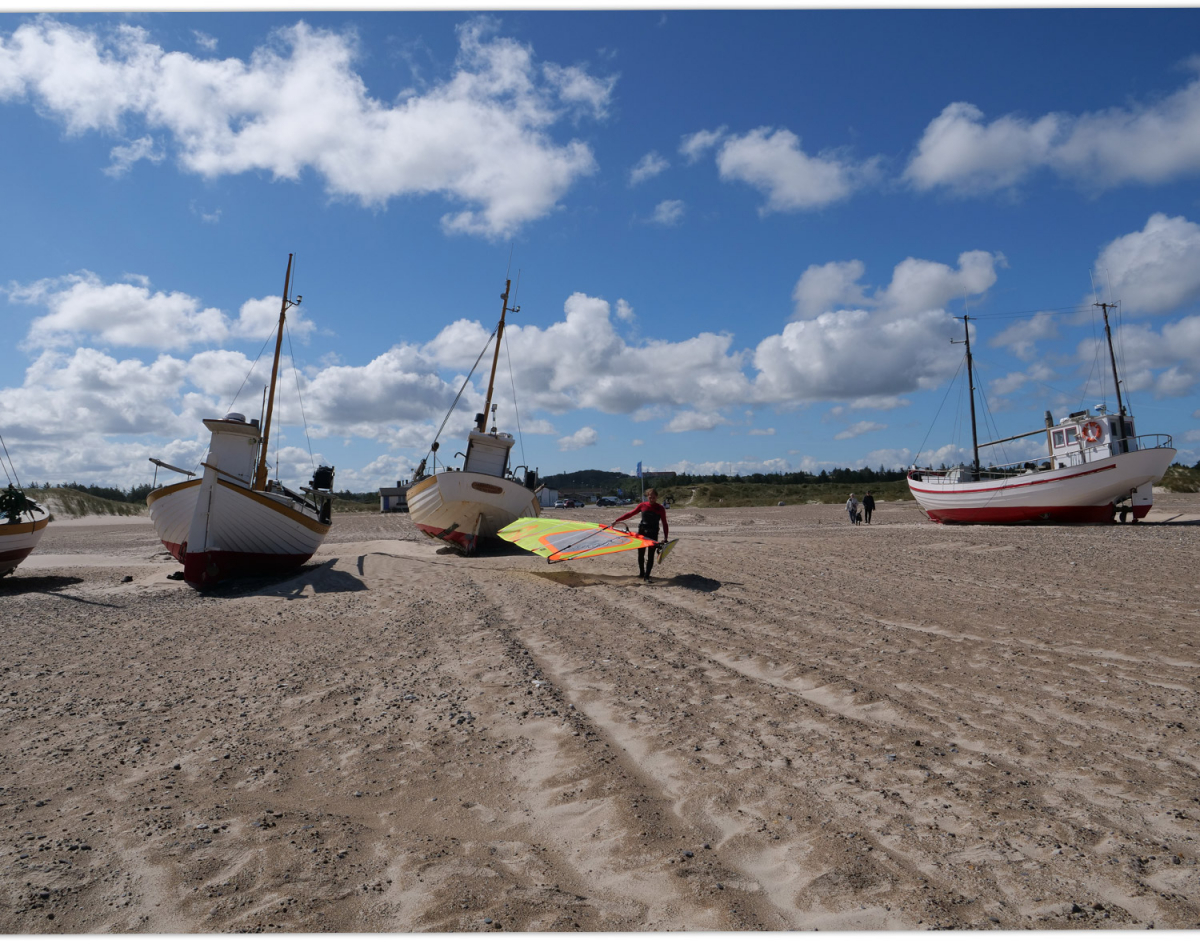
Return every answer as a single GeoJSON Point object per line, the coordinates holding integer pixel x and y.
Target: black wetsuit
{"type": "Point", "coordinates": [652, 513]}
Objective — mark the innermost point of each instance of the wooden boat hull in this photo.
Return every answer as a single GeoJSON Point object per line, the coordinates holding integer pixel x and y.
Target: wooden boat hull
{"type": "Point", "coordinates": [18, 540]}
{"type": "Point", "coordinates": [461, 508]}
{"type": "Point", "coordinates": [232, 531]}
{"type": "Point", "coordinates": [1079, 494]}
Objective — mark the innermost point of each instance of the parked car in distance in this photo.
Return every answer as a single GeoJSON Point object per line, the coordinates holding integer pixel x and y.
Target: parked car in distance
{"type": "Point", "coordinates": [561, 503]}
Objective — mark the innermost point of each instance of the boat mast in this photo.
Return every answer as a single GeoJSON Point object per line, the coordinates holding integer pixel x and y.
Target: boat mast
{"type": "Point", "coordinates": [504, 309]}
{"type": "Point", "coordinates": [260, 477]}
{"type": "Point", "coordinates": [1104, 307]}
{"type": "Point", "coordinates": [971, 384]}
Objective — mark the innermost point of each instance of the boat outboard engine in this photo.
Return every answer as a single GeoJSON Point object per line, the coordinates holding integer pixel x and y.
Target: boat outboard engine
{"type": "Point", "coordinates": [322, 479]}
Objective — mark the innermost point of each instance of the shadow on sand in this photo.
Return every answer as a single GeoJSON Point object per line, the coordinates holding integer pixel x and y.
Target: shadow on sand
{"type": "Point", "coordinates": [572, 578]}
{"type": "Point", "coordinates": [18, 583]}
{"type": "Point", "coordinates": [321, 577]}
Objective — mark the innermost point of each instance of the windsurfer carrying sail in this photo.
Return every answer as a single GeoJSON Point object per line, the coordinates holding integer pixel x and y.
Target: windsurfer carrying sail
{"type": "Point", "coordinates": [652, 512]}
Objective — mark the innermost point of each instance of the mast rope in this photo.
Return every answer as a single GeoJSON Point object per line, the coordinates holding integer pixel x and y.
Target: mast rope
{"type": "Point", "coordinates": [516, 409]}
{"type": "Point", "coordinates": [949, 387]}
{"type": "Point", "coordinates": [460, 392]}
{"type": "Point", "coordinates": [296, 376]}
{"type": "Point", "coordinates": [13, 474]}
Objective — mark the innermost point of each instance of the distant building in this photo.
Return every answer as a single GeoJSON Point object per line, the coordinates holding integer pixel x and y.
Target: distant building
{"type": "Point", "coordinates": [547, 496]}
{"type": "Point", "coordinates": [393, 499]}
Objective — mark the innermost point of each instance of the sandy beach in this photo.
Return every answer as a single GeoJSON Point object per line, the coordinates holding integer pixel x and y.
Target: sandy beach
{"type": "Point", "coordinates": [799, 725]}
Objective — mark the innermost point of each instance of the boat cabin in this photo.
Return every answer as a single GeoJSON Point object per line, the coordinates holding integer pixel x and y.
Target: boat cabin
{"type": "Point", "coordinates": [234, 447]}
{"type": "Point", "coordinates": [487, 453]}
{"type": "Point", "coordinates": [1085, 436]}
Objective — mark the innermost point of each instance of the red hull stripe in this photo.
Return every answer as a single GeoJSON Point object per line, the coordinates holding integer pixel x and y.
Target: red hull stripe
{"type": "Point", "coordinates": [1092, 514]}
{"type": "Point", "coordinates": [207, 568]}
{"type": "Point", "coordinates": [459, 538]}
{"type": "Point", "coordinates": [1003, 488]}
{"type": "Point", "coordinates": [16, 555]}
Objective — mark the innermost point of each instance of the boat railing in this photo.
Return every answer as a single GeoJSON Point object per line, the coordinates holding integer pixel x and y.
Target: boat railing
{"type": "Point", "coordinates": [1089, 452]}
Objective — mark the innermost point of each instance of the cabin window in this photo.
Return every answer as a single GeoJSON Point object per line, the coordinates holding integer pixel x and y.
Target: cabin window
{"type": "Point", "coordinates": [1059, 439]}
{"type": "Point", "coordinates": [1072, 435]}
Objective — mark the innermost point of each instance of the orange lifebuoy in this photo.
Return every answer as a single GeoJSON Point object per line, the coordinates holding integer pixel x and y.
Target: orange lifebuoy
{"type": "Point", "coordinates": [1092, 431]}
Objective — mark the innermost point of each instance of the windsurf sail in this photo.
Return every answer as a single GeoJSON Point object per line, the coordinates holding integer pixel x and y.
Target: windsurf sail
{"type": "Point", "coordinates": [558, 540]}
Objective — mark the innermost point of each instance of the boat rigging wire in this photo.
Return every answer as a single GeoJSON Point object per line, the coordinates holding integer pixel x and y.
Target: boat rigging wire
{"type": "Point", "coordinates": [438, 434]}
{"type": "Point", "coordinates": [10, 464]}
{"type": "Point", "coordinates": [949, 387]}
{"type": "Point", "coordinates": [516, 409]}
{"type": "Point", "coordinates": [296, 377]}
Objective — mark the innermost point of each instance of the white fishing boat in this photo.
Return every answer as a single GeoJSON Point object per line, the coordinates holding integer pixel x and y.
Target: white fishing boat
{"type": "Point", "coordinates": [1095, 469]}
{"type": "Point", "coordinates": [462, 506]}
{"type": "Point", "coordinates": [22, 524]}
{"type": "Point", "coordinates": [232, 521]}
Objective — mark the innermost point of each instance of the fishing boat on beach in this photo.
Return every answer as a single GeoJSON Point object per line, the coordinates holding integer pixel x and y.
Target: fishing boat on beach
{"type": "Point", "coordinates": [233, 521]}
{"type": "Point", "coordinates": [22, 522]}
{"type": "Point", "coordinates": [1095, 468]}
{"type": "Point", "coordinates": [463, 505]}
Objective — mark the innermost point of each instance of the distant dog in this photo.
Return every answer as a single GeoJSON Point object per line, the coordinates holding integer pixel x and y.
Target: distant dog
{"type": "Point", "coordinates": [858, 518]}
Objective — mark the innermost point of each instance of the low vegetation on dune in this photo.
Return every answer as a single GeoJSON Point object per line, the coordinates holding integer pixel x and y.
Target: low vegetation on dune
{"type": "Point", "coordinates": [69, 503]}
{"type": "Point", "coordinates": [342, 506]}
{"type": "Point", "coordinates": [748, 494]}
{"type": "Point", "coordinates": [1182, 478]}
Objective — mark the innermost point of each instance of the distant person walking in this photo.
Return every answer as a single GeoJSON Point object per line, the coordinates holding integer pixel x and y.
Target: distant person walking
{"type": "Point", "coordinates": [852, 508]}
{"type": "Point", "coordinates": [868, 507]}
{"type": "Point", "coordinates": [652, 513]}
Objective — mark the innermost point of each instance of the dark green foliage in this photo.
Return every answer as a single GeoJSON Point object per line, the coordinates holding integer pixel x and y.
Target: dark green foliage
{"type": "Point", "coordinates": [13, 503]}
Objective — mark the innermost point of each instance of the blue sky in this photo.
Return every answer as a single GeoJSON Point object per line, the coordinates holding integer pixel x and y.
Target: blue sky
{"type": "Point", "coordinates": [739, 239]}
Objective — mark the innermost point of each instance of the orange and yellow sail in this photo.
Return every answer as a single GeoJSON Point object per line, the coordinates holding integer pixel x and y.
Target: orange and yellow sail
{"type": "Point", "coordinates": [558, 540]}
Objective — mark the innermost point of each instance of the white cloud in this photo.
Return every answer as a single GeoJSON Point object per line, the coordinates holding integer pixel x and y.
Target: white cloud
{"type": "Point", "coordinates": [1156, 270]}
{"type": "Point", "coordinates": [773, 162]}
{"type": "Point", "coordinates": [581, 438]}
{"type": "Point", "coordinates": [1020, 337]}
{"type": "Point", "coordinates": [828, 287]}
{"type": "Point", "coordinates": [859, 429]}
{"type": "Point", "coordinates": [651, 165]}
{"type": "Point", "coordinates": [125, 156]}
{"type": "Point", "coordinates": [899, 346]}
{"type": "Point", "coordinates": [769, 431]}
{"type": "Point", "coordinates": [1015, 380]}
{"type": "Point", "coordinates": [694, 146]}
{"type": "Point", "coordinates": [581, 362]}
{"type": "Point", "coordinates": [1142, 143]}
{"type": "Point", "coordinates": [878, 403]}
{"type": "Point", "coordinates": [688, 421]}
{"type": "Point", "coordinates": [624, 310]}
{"type": "Point", "coordinates": [82, 307]}
{"type": "Point", "coordinates": [1166, 361]}
{"type": "Point", "coordinates": [642, 442]}
{"type": "Point", "coordinates": [204, 41]}
{"type": "Point", "coordinates": [480, 139]}
{"type": "Point", "coordinates": [668, 213]}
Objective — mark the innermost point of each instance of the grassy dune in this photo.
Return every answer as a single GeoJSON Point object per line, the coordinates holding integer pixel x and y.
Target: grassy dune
{"type": "Point", "coordinates": [68, 503]}
{"type": "Point", "coordinates": [1180, 478]}
{"type": "Point", "coordinates": [745, 494]}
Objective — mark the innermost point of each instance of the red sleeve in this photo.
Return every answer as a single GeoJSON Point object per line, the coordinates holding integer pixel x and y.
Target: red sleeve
{"type": "Point", "coordinates": [630, 514]}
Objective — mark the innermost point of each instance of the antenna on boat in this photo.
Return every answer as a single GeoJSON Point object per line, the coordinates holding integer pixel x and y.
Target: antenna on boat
{"type": "Point", "coordinates": [504, 310]}
{"type": "Point", "coordinates": [970, 383]}
{"type": "Point", "coordinates": [1104, 307]}
{"type": "Point", "coordinates": [260, 476]}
